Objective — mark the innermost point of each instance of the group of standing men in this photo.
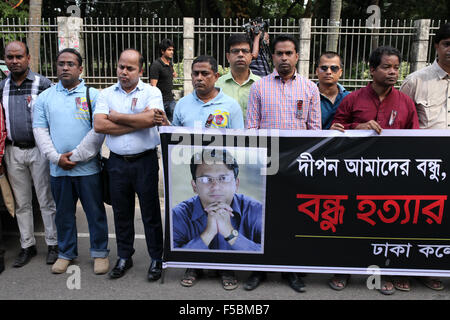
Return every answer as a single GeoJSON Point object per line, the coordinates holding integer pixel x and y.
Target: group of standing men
{"type": "Point", "coordinates": [69, 122]}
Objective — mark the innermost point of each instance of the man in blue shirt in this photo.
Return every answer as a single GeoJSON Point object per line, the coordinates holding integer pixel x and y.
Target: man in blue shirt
{"type": "Point", "coordinates": [207, 106]}
{"type": "Point", "coordinates": [217, 218]}
{"type": "Point", "coordinates": [128, 113]}
{"type": "Point", "coordinates": [63, 130]}
{"type": "Point", "coordinates": [328, 71]}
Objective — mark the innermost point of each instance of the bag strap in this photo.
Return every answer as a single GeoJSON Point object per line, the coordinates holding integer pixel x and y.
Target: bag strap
{"type": "Point", "coordinates": [89, 103]}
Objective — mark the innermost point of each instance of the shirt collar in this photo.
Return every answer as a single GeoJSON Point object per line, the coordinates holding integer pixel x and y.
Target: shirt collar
{"type": "Point", "coordinates": [276, 75]}
{"type": "Point", "coordinates": [251, 77]}
{"type": "Point", "coordinates": [30, 76]}
{"type": "Point", "coordinates": [212, 101]}
{"type": "Point", "coordinates": [78, 88]}
{"type": "Point", "coordinates": [439, 71]}
{"type": "Point", "coordinates": [139, 87]}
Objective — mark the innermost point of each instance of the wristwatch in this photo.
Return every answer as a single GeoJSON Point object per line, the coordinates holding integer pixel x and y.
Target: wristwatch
{"type": "Point", "coordinates": [234, 233]}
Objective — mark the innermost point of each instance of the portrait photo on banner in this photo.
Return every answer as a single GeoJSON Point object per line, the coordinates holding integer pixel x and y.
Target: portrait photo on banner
{"type": "Point", "coordinates": [217, 198]}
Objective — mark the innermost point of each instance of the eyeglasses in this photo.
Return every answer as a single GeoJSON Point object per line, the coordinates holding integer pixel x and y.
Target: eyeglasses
{"type": "Point", "coordinates": [334, 69]}
{"type": "Point", "coordinates": [209, 180]}
{"type": "Point", "coordinates": [62, 64]}
{"type": "Point", "coordinates": [236, 51]}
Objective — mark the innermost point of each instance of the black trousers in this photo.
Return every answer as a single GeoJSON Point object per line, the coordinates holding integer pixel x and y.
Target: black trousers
{"type": "Point", "coordinates": [2, 250]}
{"type": "Point", "coordinates": [127, 178]}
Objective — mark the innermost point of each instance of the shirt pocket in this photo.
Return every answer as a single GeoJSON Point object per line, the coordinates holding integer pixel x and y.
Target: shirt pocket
{"type": "Point", "coordinates": [429, 108]}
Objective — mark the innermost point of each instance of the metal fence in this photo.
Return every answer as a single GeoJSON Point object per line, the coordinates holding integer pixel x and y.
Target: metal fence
{"type": "Point", "coordinates": [104, 39]}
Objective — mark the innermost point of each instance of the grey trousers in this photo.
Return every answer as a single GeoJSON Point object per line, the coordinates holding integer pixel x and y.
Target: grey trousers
{"type": "Point", "coordinates": [25, 167]}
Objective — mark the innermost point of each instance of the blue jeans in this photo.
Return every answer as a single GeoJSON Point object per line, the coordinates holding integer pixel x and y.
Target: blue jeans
{"type": "Point", "coordinates": [169, 108]}
{"type": "Point", "coordinates": [66, 192]}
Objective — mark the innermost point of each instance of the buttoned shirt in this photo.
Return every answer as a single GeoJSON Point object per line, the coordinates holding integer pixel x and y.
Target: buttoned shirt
{"type": "Point", "coordinates": [220, 112]}
{"type": "Point", "coordinates": [190, 219]}
{"type": "Point", "coordinates": [430, 90]}
{"type": "Point", "coordinates": [18, 103]}
{"type": "Point", "coordinates": [66, 114]}
{"type": "Point", "coordinates": [329, 108]}
{"type": "Point", "coordinates": [115, 98]}
{"type": "Point", "coordinates": [396, 111]}
{"type": "Point", "coordinates": [277, 104]}
{"type": "Point", "coordinates": [238, 92]}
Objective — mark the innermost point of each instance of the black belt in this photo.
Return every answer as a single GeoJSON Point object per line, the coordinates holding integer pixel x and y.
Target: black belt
{"type": "Point", "coordinates": [133, 157]}
{"type": "Point", "coordinates": [21, 145]}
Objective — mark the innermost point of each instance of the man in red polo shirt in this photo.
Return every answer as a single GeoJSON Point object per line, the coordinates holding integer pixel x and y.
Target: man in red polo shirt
{"type": "Point", "coordinates": [378, 105]}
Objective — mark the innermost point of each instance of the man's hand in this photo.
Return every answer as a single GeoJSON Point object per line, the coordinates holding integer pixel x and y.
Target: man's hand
{"type": "Point", "coordinates": [113, 116]}
{"type": "Point", "coordinates": [219, 221]}
{"type": "Point", "coordinates": [65, 163]}
{"type": "Point", "coordinates": [161, 118]}
{"type": "Point", "coordinates": [370, 125]}
{"type": "Point", "coordinates": [338, 127]}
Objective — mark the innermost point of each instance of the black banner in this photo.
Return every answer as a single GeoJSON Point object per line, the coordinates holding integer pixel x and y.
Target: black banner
{"type": "Point", "coordinates": [328, 202]}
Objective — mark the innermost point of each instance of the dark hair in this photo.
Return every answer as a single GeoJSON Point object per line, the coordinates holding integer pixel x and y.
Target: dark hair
{"type": "Point", "coordinates": [212, 156]}
{"type": "Point", "coordinates": [73, 51]}
{"type": "Point", "coordinates": [330, 55]}
{"type": "Point", "coordinates": [164, 45]}
{"type": "Point", "coordinates": [211, 60]}
{"type": "Point", "coordinates": [375, 56]}
{"type": "Point", "coordinates": [442, 33]}
{"type": "Point", "coordinates": [141, 57]}
{"type": "Point", "coordinates": [237, 39]}
{"type": "Point", "coordinates": [283, 38]}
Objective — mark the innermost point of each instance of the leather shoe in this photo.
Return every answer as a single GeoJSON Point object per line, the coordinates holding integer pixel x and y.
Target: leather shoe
{"type": "Point", "coordinates": [52, 254]}
{"type": "Point", "coordinates": [2, 264]}
{"type": "Point", "coordinates": [254, 280]}
{"type": "Point", "coordinates": [119, 269]}
{"type": "Point", "coordinates": [155, 270]}
{"type": "Point", "coordinates": [25, 256]}
{"type": "Point", "coordinates": [294, 281]}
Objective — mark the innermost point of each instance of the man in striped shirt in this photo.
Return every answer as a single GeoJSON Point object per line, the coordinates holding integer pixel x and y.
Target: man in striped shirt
{"type": "Point", "coordinates": [283, 100]}
{"type": "Point", "coordinates": [26, 164]}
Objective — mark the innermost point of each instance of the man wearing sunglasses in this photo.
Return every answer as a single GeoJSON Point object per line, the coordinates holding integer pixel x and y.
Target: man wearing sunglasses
{"type": "Point", "coordinates": [328, 71]}
{"type": "Point", "coordinates": [237, 82]}
{"type": "Point", "coordinates": [217, 218]}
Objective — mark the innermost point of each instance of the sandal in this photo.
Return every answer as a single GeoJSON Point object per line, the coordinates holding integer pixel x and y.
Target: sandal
{"type": "Point", "coordinates": [384, 288]}
{"type": "Point", "coordinates": [339, 281]}
{"type": "Point", "coordinates": [229, 281]}
{"type": "Point", "coordinates": [432, 283]}
{"type": "Point", "coordinates": [402, 284]}
{"type": "Point", "coordinates": [190, 277]}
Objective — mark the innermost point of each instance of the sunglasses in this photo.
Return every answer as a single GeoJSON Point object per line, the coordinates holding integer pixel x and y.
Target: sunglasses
{"type": "Point", "coordinates": [334, 69]}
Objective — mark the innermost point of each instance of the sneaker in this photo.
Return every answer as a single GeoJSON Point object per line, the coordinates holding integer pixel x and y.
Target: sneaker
{"type": "Point", "coordinates": [52, 254]}
{"type": "Point", "coordinates": [60, 266]}
{"type": "Point", "coordinates": [101, 265]}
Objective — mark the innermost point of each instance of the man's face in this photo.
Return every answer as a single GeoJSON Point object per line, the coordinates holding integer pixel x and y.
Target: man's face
{"type": "Point", "coordinates": [285, 57]}
{"type": "Point", "coordinates": [443, 52]}
{"type": "Point", "coordinates": [168, 54]}
{"type": "Point", "coordinates": [215, 190]}
{"type": "Point", "coordinates": [16, 58]}
{"type": "Point", "coordinates": [128, 70]}
{"type": "Point", "coordinates": [329, 70]}
{"type": "Point", "coordinates": [386, 74]}
{"type": "Point", "coordinates": [203, 78]}
{"type": "Point", "coordinates": [239, 57]}
{"type": "Point", "coordinates": [68, 69]}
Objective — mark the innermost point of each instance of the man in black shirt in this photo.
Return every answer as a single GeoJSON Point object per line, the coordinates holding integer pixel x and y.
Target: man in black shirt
{"type": "Point", "coordinates": [162, 74]}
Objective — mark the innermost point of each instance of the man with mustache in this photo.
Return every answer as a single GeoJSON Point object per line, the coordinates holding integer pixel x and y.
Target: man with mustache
{"type": "Point", "coordinates": [128, 113]}
{"type": "Point", "coordinates": [27, 166]}
{"type": "Point", "coordinates": [430, 90]}
{"type": "Point", "coordinates": [378, 105]}
{"type": "Point", "coordinates": [237, 82]}
{"type": "Point", "coordinates": [207, 106]}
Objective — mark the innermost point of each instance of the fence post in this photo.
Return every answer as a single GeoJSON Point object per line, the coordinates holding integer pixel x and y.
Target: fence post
{"type": "Point", "coordinates": [419, 49]}
{"type": "Point", "coordinates": [69, 35]}
{"type": "Point", "coordinates": [304, 47]}
{"type": "Point", "coordinates": [188, 54]}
